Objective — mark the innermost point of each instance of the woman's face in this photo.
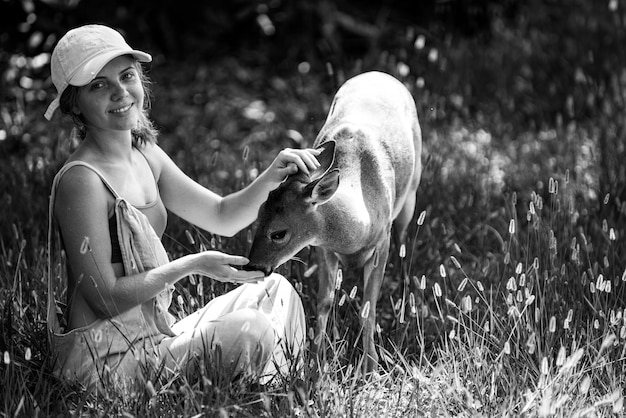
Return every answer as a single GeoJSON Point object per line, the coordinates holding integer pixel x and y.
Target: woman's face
{"type": "Point", "coordinates": [114, 99]}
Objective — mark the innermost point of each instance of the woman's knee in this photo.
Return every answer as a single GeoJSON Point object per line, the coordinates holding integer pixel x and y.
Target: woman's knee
{"type": "Point", "coordinates": [253, 327]}
{"type": "Point", "coordinates": [246, 338]}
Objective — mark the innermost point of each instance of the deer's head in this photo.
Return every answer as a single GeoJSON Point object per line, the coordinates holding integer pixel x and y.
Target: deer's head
{"type": "Point", "coordinates": [289, 220]}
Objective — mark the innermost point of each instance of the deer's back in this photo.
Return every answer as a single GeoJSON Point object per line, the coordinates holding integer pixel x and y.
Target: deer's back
{"type": "Point", "coordinates": [374, 122]}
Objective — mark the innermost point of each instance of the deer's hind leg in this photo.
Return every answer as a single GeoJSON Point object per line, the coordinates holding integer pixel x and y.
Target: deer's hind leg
{"type": "Point", "coordinates": [401, 225]}
{"type": "Point", "coordinates": [373, 275]}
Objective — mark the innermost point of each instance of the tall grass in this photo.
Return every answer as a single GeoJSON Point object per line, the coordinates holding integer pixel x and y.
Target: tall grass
{"type": "Point", "coordinates": [513, 303]}
{"type": "Point", "coordinates": [543, 338]}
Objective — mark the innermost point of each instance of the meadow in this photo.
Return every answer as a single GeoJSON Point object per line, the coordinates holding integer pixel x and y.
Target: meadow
{"type": "Point", "coordinates": [514, 302]}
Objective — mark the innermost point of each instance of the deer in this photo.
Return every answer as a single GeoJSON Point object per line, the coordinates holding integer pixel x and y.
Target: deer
{"type": "Point", "coordinates": [365, 187]}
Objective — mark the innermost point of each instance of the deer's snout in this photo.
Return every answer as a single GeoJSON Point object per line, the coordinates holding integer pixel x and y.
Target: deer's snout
{"type": "Point", "coordinates": [267, 270]}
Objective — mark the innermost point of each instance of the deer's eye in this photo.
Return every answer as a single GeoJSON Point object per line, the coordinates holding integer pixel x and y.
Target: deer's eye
{"type": "Point", "coordinates": [278, 235]}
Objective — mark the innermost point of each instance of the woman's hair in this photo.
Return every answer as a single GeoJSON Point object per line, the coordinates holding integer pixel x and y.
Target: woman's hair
{"type": "Point", "coordinates": [144, 133]}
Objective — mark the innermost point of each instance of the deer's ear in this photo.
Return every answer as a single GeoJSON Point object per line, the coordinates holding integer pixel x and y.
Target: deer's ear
{"type": "Point", "coordinates": [321, 190]}
{"type": "Point", "coordinates": [327, 157]}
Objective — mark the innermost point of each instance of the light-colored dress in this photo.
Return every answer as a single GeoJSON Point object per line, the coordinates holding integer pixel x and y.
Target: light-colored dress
{"type": "Point", "coordinates": [259, 328]}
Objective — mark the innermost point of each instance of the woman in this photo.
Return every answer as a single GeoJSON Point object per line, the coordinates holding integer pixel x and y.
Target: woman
{"type": "Point", "coordinates": [110, 201]}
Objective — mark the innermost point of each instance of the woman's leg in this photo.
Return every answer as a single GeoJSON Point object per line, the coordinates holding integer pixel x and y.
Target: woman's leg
{"type": "Point", "coordinates": [276, 300]}
{"type": "Point", "coordinates": [237, 342]}
{"type": "Point", "coordinates": [282, 304]}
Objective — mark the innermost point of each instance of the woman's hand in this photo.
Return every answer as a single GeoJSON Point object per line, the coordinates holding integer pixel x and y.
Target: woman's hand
{"type": "Point", "coordinates": [219, 266]}
{"type": "Point", "coordinates": [290, 161]}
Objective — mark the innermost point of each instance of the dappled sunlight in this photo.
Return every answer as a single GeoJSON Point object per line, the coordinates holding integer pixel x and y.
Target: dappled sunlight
{"type": "Point", "coordinates": [507, 298]}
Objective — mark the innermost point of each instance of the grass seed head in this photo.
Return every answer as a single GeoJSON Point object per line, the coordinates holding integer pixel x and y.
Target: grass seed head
{"type": "Point", "coordinates": [442, 271]}
{"type": "Point", "coordinates": [365, 312]}
{"type": "Point", "coordinates": [96, 335]}
{"type": "Point", "coordinates": [511, 284]}
{"type": "Point", "coordinates": [552, 325]}
{"type": "Point", "coordinates": [422, 217]}
{"type": "Point", "coordinates": [560, 358]}
{"type": "Point", "coordinates": [585, 384]}
{"type": "Point", "coordinates": [245, 327]}
{"type": "Point", "coordinates": [618, 402]}
{"type": "Point", "coordinates": [608, 341]}
{"type": "Point", "coordinates": [422, 285]}
{"type": "Point", "coordinates": [437, 290]}
{"type": "Point", "coordinates": [84, 246]}
{"type": "Point", "coordinates": [467, 304]}
{"type": "Point", "coordinates": [537, 315]}
{"type": "Point", "coordinates": [190, 238]}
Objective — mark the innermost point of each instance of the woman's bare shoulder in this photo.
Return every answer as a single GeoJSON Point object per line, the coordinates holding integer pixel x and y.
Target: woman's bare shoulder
{"type": "Point", "coordinates": [79, 185]}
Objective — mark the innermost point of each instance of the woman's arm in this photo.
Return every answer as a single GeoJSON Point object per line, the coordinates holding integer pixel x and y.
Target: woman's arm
{"type": "Point", "coordinates": [229, 214]}
{"type": "Point", "coordinates": [81, 210]}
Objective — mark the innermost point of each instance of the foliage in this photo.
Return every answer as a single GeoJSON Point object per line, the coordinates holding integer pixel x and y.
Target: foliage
{"type": "Point", "coordinates": [518, 256]}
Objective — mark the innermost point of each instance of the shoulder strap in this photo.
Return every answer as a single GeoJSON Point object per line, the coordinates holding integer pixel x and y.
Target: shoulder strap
{"type": "Point", "coordinates": [71, 164]}
{"type": "Point", "coordinates": [53, 322]}
{"type": "Point", "coordinates": [149, 164]}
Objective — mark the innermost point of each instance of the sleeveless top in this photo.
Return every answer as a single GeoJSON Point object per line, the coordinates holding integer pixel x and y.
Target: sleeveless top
{"type": "Point", "coordinates": [141, 250]}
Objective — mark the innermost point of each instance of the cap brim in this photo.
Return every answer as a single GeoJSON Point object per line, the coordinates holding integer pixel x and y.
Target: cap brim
{"type": "Point", "coordinates": [91, 68]}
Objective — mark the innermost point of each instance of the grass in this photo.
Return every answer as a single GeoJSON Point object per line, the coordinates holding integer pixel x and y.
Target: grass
{"type": "Point", "coordinates": [514, 304]}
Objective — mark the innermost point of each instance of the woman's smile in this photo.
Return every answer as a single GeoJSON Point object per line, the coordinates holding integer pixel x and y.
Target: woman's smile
{"type": "Point", "coordinates": [122, 109]}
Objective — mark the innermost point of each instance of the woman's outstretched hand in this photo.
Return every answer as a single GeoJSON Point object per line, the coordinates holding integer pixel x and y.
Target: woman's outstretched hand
{"type": "Point", "coordinates": [219, 266]}
{"type": "Point", "coordinates": [290, 161]}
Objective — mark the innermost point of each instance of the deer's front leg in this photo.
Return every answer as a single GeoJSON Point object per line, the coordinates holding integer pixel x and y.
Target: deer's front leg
{"type": "Point", "coordinates": [327, 275]}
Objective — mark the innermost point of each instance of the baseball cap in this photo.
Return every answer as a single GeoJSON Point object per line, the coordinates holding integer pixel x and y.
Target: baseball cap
{"type": "Point", "coordinates": [80, 55]}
